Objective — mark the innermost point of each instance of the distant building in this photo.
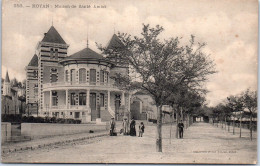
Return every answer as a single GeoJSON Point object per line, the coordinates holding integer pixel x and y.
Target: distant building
{"type": "Point", "coordinates": [10, 101]}
{"type": "Point", "coordinates": [79, 86]}
{"type": "Point", "coordinates": [143, 108]}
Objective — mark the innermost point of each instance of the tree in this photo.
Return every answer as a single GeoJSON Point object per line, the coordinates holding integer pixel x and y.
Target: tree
{"type": "Point", "coordinates": [14, 82]}
{"type": "Point", "coordinates": [185, 103]}
{"type": "Point", "coordinates": [161, 66]}
{"type": "Point", "coordinates": [249, 101]}
{"type": "Point", "coordinates": [235, 104]}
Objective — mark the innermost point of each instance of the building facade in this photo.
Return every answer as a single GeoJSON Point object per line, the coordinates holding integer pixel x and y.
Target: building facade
{"type": "Point", "coordinates": [77, 86]}
{"type": "Point", "coordinates": [143, 107]}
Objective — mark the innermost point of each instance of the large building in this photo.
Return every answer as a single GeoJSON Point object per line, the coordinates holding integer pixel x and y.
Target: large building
{"type": "Point", "coordinates": [77, 86]}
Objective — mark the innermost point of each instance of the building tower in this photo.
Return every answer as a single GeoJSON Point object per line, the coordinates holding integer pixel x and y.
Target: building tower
{"type": "Point", "coordinates": [32, 85]}
{"type": "Point", "coordinates": [50, 51]}
{"type": "Point", "coordinates": [7, 86]}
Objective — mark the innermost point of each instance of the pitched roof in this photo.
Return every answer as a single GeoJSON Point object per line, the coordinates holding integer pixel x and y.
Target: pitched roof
{"type": "Point", "coordinates": [7, 77]}
{"type": "Point", "coordinates": [34, 61]}
{"type": "Point", "coordinates": [86, 53]}
{"type": "Point", "coordinates": [53, 36]}
{"type": "Point", "coordinates": [115, 42]}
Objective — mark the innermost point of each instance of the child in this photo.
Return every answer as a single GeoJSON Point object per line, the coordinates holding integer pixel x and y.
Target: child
{"type": "Point", "coordinates": [141, 129]}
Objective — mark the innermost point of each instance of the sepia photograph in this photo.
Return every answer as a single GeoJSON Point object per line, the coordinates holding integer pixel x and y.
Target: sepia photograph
{"type": "Point", "coordinates": [139, 82]}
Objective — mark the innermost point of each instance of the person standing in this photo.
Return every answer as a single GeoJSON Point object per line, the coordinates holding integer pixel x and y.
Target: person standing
{"type": "Point", "coordinates": [180, 127]}
{"type": "Point", "coordinates": [132, 128]}
{"type": "Point", "coordinates": [112, 126]}
{"type": "Point", "coordinates": [141, 129]}
{"type": "Point", "coordinates": [125, 126]}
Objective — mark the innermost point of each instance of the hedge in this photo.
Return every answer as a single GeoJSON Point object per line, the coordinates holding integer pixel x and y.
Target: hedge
{"type": "Point", "coordinates": [32, 119]}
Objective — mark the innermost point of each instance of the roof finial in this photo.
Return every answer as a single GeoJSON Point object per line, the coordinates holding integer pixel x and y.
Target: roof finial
{"type": "Point", "coordinates": [87, 36]}
{"type": "Point", "coordinates": [52, 21]}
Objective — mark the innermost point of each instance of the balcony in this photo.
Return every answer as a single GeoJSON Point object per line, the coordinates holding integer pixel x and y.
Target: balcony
{"type": "Point", "coordinates": [64, 107]}
{"type": "Point", "coordinates": [65, 85]}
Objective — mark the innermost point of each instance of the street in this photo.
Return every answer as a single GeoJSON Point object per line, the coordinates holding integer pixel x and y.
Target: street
{"type": "Point", "coordinates": [202, 143]}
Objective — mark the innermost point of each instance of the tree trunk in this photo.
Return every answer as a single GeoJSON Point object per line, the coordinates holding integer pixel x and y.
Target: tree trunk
{"type": "Point", "coordinates": [181, 114]}
{"type": "Point", "coordinates": [177, 121]}
{"type": "Point", "coordinates": [159, 130]}
{"type": "Point", "coordinates": [229, 126]}
{"type": "Point", "coordinates": [225, 123]}
{"type": "Point", "coordinates": [188, 119]}
{"type": "Point", "coordinates": [240, 130]}
{"type": "Point", "coordinates": [233, 127]}
{"type": "Point", "coordinates": [251, 133]}
{"type": "Point", "coordinates": [172, 119]}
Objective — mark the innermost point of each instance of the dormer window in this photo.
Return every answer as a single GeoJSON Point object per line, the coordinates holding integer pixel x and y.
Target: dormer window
{"type": "Point", "coordinates": [35, 74]}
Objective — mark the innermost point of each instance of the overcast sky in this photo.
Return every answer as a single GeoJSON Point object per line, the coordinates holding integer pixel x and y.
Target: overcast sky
{"type": "Point", "coordinates": [229, 27]}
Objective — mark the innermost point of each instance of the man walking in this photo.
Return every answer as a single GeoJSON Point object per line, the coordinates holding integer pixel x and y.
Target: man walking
{"type": "Point", "coordinates": [180, 127]}
{"type": "Point", "coordinates": [112, 126]}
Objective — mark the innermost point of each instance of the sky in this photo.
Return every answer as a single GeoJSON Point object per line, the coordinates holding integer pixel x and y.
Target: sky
{"type": "Point", "coordinates": [229, 27]}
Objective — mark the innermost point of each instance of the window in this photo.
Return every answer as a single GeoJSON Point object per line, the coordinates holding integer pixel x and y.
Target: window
{"type": "Point", "coordinates": [35, 74]}
{"type": "Point", "coordinates": [102, 76]}
{"type": "Point", "coordinates": [54, 98]}
{"type": "Point", "coordinates": [54, 75]}
{"type": "Point", "coordinates": [70, 113]}
{"type": "Point", "coordinates": [72, 75]}
{"type": "Point", "coordinates": [35, 89]}
{"type": "Point", "coordinates": [93, 76]}
{"type": "Point", "coordinates": [82, 99]}
{"type": "Point", "coordinates": [102, 100]}
{"type": "Point", "coordinates": [82, 75]}
{"type": "Point", "coordinates": [72, 99]}
{"type": "Point", "coordinates": [76, 114]}
{"type": "Point", "coordinates": [51, 53]}
{"type": "Point", "coordinates": [56, 53]}
{"type": "Point", "coordinates": [67, 75]}
{"type": "Point", "coordinates": [54, 78]}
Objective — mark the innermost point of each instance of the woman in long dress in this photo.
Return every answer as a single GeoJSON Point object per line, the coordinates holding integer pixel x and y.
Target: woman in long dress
{"type": "Point", "coordinates": [132, 128]}
{"type": "Point", "coordinates": [125, 126]}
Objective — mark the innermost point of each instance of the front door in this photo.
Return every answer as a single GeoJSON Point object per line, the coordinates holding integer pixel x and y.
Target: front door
{"type": "Point", "coordinates": [93, 106]}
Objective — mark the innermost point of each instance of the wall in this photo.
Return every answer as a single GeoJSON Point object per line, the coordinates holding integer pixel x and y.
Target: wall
{"type": "Point", "coordinates": [61, 98]}
{"type": "Point", "coordinates": [5, 131]}
{"type": "Point", "coordinates": [87, 67]}
{"type": "Point", "coordinates": [32, 97]}
{"type": "Point", "coordinates": [41, 130]}
{"type": "Point", "coordinates": [10, 105]}
{"type": "Point", "coordinates": [148, 103]}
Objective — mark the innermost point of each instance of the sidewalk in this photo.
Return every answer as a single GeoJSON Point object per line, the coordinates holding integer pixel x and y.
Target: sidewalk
{"type": "Point", "coordinates": [49, 141]}
{"type": "Point", "coordinates": [202, 143]}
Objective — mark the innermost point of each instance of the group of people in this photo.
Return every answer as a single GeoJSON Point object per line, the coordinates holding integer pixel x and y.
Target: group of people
{"type": "Point", "coordinates": [132, 132]}
{"type": "Point", "coordinates": [127, 129]}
